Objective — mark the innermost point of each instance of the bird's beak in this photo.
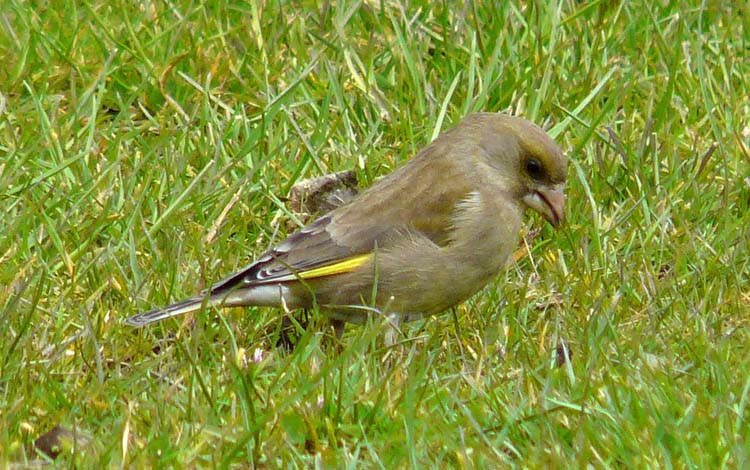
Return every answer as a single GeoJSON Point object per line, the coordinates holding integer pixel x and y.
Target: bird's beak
{"type": "Point", "coordinates": [550, 202]}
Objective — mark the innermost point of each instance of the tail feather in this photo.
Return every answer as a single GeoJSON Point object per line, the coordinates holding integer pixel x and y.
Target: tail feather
{"type": "Point", "coordinates": [179, 308]}
{"type": "Point", "coordinates": [267, 295]}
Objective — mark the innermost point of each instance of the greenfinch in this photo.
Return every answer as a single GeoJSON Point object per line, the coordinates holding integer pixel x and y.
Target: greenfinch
{"type": "Point", "coordinates": [418, 241]}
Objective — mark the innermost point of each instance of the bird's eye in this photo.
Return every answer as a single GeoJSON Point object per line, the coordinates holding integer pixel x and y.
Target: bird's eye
{"type": "Point", "coordinates": [534, 168]}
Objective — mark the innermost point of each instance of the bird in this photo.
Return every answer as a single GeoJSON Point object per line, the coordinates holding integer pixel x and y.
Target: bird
{"type": "Point", "coordinates": [418, 241]}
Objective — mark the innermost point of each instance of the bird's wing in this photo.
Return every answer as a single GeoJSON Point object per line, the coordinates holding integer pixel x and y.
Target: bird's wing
{"type": "Point", "coordinates": [313, 251]}
{"type": "Point", "coordinates": [345, 238]}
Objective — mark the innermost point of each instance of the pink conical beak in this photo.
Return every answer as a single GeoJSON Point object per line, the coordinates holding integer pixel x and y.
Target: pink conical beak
{"type": "Point", "coordinates": [550, 202]}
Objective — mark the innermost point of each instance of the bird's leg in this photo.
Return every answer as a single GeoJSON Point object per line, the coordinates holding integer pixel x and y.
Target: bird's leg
{"type": "Point", "coordinates": [338, 328]}
{"type": "Point", "coordinates": [290, 329]}
{"type": "Point", "coordinates": [286, 328]}
{"type": "Point", "coordinates": [457, 328]}
{"type": "Point", "coordinates": [333, 331]}
{"type": "Point", "coordinates": [392, 330]}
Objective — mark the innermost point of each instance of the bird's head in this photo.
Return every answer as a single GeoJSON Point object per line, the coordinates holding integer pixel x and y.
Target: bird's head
{"type": "Point", "coordinates": [535, 168]}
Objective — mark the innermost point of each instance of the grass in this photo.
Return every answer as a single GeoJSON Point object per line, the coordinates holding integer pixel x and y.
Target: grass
{"type": "Point", "coordinates": [146, 149]}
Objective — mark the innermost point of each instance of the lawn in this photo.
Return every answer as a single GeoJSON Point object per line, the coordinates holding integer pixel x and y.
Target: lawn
{"type": "Point", "coordinates": [148, 149]}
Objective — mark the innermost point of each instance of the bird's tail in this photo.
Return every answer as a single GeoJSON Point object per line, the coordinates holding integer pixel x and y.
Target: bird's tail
{"type": "Point", "coordinates": [179, 308]}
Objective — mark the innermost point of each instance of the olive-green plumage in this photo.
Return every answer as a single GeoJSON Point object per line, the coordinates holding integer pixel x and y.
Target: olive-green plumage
{"type": "Point", "coordinates": [417, 242]}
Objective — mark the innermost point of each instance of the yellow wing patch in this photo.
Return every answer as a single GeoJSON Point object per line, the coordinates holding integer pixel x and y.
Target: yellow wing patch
{"type": "Point", "coordinates": [337, 268]}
